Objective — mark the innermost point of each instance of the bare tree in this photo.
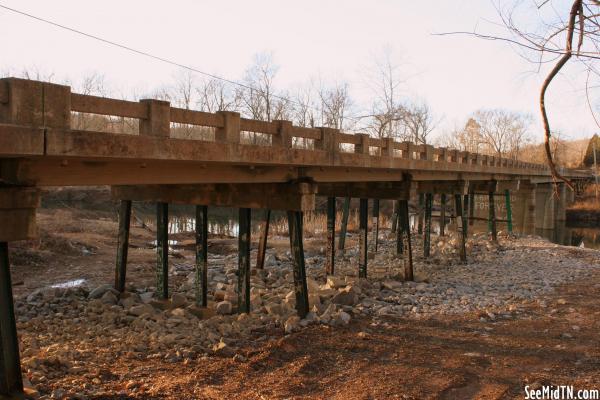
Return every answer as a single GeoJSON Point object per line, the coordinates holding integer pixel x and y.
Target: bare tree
{"type": "Point", "coordinates": [502, 131]}
{"type": "Point", "coordinates": [335, 103]}
{"type": "Point", "coordinates": [419, 122]}
{"type": "Point", "coordinates": [562, 33]}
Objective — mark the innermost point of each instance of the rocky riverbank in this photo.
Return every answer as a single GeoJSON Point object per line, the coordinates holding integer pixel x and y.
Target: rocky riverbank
{"type": "Point", "coordinates": [70, 336]}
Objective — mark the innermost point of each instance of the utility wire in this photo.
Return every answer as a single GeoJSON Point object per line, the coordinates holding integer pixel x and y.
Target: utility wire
{"type": "Point", "coordinates": [149, 55]}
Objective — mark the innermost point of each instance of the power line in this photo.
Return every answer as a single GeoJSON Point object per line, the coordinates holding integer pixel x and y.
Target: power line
{"type": "Point", "coordinates": [155, 57]}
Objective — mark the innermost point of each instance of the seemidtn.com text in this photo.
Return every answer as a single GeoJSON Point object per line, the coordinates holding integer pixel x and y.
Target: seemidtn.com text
{"type": "Point", "coordinates": [562, 392]}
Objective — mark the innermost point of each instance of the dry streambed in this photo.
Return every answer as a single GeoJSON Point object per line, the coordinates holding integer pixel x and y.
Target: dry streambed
{"type": "Point", "coordinates": [71, 336]}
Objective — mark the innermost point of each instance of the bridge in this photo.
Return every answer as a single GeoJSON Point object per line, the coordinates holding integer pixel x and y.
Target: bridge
{"type": "Point", "coordinates": [163, 154]}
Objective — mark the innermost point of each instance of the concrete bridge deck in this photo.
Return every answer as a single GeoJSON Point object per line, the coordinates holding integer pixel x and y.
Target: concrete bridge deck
{"type": "Point", "coordinates": [286, 169]}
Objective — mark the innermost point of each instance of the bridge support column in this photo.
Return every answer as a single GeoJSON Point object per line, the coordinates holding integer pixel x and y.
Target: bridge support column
{"type": "Point", "coordinates": [404, 239]}
{"type": "Point", "coordinates": [561, 202]}
{"type": "Point", "coordinates": [330, 254]}
{"type": "Point", "coordinates": [427, 232]}
{"type": "Point", "coordinates": [509, 219]}
{"type": "Point", "coordinates": [492, 215]}
{"type": "Point", "coordinates": [300, 286]}
{"type": "Point", "coordinates": [544, 207]}
{"type": "Point", "coordinates": [122, 244]}
{"type": "Point", "coordinates": [11, 382]}
{"type": "Point", "coordinates": [363, 236]}
{"type": "Point", "coordinates": [244, 242]}
{"type": "Point", "coordinates": [471, 208]}
{"type": "Point", "coordinates": [17, 222]}
{"type": "Point", "coordinates": [162, 250]}
{"type": "Point", "coordinates": [524, 208]}
{"type": "Point", "coordinates": [375, 223]}
{"type": "Point", "coordinates": [465, 214]}
{"type": "Point", "coordinates": [201, 282]}
{"type": "Point", "coordinates": [443, 214]}
{"type": "Point", "coordinates": [461, 226]}
{"type": "Point", "coordinates": [395, 217]}
{"type": "Point", "coordinates": [262, 243]}
{"type": "Point", "coordinates": [344, 225]}
{"type": "Point", "coordinates": [421, 207]}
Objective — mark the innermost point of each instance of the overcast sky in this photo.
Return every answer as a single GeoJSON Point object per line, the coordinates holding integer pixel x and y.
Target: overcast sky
{"type": "Point", "coordinates": [334, 40]}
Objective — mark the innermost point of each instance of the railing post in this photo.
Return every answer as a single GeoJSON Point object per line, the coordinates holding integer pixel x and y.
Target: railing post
{"type": "Point", "coordinates": [230, 132]}
{"type": "Point", "coordinates": [388, 147]}
{"type": "Point", "coordinates": [284, 134]}
{"type": "Point", "coordinates": [328, 142]}
{"type": "Point", "coordinates": [363, 146]}
{"type": "Point", "coordinates": [158, 120]}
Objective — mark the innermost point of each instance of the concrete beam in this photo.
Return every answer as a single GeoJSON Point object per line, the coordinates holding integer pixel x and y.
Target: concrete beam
{"type": "Point", "coordinates": [367, 190]}
{"type": "Point", "coordinates": [274, 196]}
{"type": "Point", "coordinates": [17, 213]}
{"type": "Point", "coordinates": [442, 187]}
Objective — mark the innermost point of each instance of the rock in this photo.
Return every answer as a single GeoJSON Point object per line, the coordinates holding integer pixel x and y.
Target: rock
{"type": "Point", "coordinates": [146, 297]}
{"type": "Point", "coordinates": [178, 300]}
{"type": "Point", "coordinates": [363, 335]}
{"type": "Point", "coordinates": [224, 308]}
{"type": "Point", "coordinates": [274, 309]}
{"type": "Point", "coordinates": [346, 297]}
{"type": "Point", "coordinates": [100, 290]}
{"type": "Point", "coordinates": [141, 309]}
{"type": "Point", "coordinates": [222, 349]}
{"type": "Point", "coordinates": [291, 324]}
{"type": "Point", "coordinates": [178, 312]}
{"type": "Point", "coordinates": [334, 282]}
{"type": "Point", "coordinates": [109, 298]}
{"type": "Point", "coordinates": [561, 301]}
{"type": "Point", "coordinates": [343, 318]}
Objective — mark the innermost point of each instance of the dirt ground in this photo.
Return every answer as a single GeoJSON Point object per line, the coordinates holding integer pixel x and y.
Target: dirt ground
{"type": "Point", "coordinates": [449, 357]}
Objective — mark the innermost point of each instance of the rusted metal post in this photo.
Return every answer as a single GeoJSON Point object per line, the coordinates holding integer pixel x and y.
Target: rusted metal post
{"type": "Point", "coordinates": [363, 236]}
{"type": "Point", "coordinates": [466, 208]}
{"type": "Point", "coordinates": [395, 216]}
{"type": "Point", "coordinates": [11, 382]}
{"type": "Point", "coordinates": [344, 227]}
{"type": "Point", "coordinates": [471, 207]}
{"type": "Point", "coordinates": [508, 211]}
{"type": "Point", "coordinates": [122, 244]}
{"type": "Point", "coordinates": [375, 222]}
{"type": "Point", "coordinates": [244, 260]}
{"type": "Point", "coordinates": [427, 231]}
{"type": "Point", "coordinates": [162, 250]}
{"type": "Point", "coordinates": [404, 230]}
{"type": "Point", "coordinates": [461, 225]}
{"type": "Point", "coordinates": [330, 256]}
{"type": "Point", "coordinates": [443, 214]}
{"type": "Point", "coordinates": [262, 243]}
{"type": "Point", "coordinates": [300, 286]}
{"type": "Point", "coordinates": [420, 215]}
{"type": "Point", "coordinates": [201, 256]}
{"type": "Point", "coordinates": [492, 216]}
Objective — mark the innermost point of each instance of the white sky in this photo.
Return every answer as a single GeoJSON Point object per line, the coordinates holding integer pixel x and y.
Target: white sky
{"type": "Point", "coordinates": [332, 39]}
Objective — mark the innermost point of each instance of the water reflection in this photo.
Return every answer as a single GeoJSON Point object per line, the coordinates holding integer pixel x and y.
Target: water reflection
{"type": "Point", "coordinates": [225, 224]}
